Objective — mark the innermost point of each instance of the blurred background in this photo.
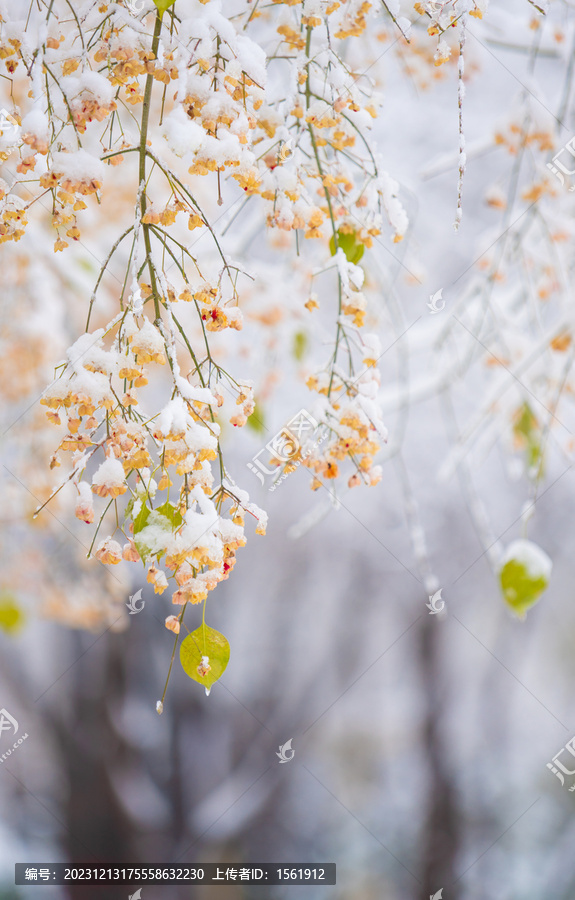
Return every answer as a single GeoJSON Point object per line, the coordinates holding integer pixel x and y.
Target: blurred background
{"type": "Point", "coordinates": [421, 741]}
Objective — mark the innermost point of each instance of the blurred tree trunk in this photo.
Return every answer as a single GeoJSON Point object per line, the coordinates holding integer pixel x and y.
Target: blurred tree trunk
{"type": "Point", "coordinates": [443, 822]}
{"type": "Point", "coordinates": [97, 829]}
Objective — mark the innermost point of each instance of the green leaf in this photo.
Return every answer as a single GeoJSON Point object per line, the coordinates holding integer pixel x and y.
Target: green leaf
{"type": "Point", "coordinates": [169, 511]}
{"type": "Point", "coordinates": [257, 421]}
{"type": "Point", "coordinates": [143, 549]}
{"type": "Point", "coordinates": [524, 575]}
{"type": "Point", "coordinates": [205, 641]}
{"type": "Point", "coordinates": [165, 517]}
{"type": "Point", "coordinates": [86, 264]}
{"type": "Point", "coordinates": [139, 526]}
{"type": "Point", "coordinates": [300, 343]}
{"type": "Point", "coordinates": [163, 5]}
{"type": "Point", "coordinates": [141, 519]}
{"type": "Point", "coordinates": [348, 242]}
{"type": "Point", "coordinates": [11, 616]}
{"type": "Point", "coordinates": [527, 433]}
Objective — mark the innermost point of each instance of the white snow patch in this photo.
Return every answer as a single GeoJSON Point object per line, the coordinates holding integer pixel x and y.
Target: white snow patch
{"type": "Point", "coordinates": [530, 555]}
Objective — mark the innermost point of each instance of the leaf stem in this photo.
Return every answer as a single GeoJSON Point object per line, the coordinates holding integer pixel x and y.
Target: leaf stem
{"type": "Point", "coordinates": [181, 619]}
{"type": "Point", "coordinates": [142, 169]}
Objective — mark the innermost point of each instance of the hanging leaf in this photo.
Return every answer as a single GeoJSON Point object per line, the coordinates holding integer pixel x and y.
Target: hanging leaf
{"type": "Point", "coordinates": [203, 644]}
{"type": "Point", "coordinates": [300, 343]}
{"type": "Point", "coordinates": [11, 616]}
{"type": "Point", "coordinates": [148, 522]}
{"type": "Point", "coordinates": [141, 519]}
{"type": "Point", "coordinates": [139, 523]}
{"type": "Point", "coordinates": [169, 511]}
{"type": "Point", "coordinates": [348, 242]}
{"type": "Point", "coordinates": [527, 434]}
{"type": "Point", "coordinates": [524, 575]}
{"type": "Point", "coordinates": [163, 5]}
{"type": "Point", "coordinates": [256, 421]}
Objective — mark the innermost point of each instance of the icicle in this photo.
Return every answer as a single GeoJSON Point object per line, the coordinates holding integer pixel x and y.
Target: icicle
{"type": "Point", "coordinates": [462, 154]}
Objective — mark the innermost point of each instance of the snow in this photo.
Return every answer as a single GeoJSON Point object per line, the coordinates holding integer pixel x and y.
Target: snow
{"type": "Point", "coordinates": [36, 122]}
{"type": "Point", "coordinates": [252, 59]}
{"type": "Point", "coordinates": [404, 26]}
{"type": "Point", "coordinates": [78, 166]}
{"type": "Point", "coordinates": [84, 492]}
{"type": "Point", "coordinates": [372, 344]}
{"type": "Point", "coordinates": [174, 417]}
{"type": "Point", "coordinates": [225, 148]}
{"type": "Point", "coordinates": [182, 134]}
{"type": "Point", "coordinates": [176, 420]}
{"type": "Point", "coordinates": [156, 535]}
{"type": "Point", "coordinates": [98, 85]}
{"type": "Point", "coordinates": [530, 555]}
{"type": "Point", "coordinates": [88, 350]}
{"type": "Point", "coordinates": [148, 338]}
{"type": "Point", "coordinates": [111, 546]}
{"type": "Point", "coordinates": [389, 190]}
{"type": "Point", "coordinates": [229, 531]}
{"type": "Point", "coordinates": [195, 394]}
{"type": "Point", "coordinates": [109, 474]}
